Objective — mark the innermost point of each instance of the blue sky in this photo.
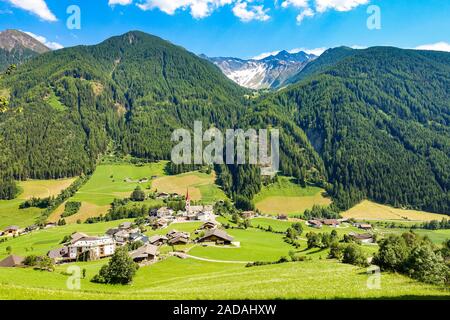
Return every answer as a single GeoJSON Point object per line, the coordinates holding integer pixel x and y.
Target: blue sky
{"type": "Point", "coordinates": [239, 28]}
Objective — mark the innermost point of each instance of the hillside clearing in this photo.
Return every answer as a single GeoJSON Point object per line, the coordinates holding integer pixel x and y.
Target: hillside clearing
{"type": "Point", "coordinates": [201, 186]}
{"type": "Point", "coordinates": [369, 210]}
{"type": "Point", "coordinates": [286, 197]}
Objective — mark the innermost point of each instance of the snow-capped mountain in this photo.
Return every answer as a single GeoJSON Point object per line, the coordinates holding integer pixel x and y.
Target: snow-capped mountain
{"type": "Point", "coordinates": [271, 72]}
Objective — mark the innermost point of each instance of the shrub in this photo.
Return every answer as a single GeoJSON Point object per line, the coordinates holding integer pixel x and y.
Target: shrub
{"type": "Point", "coordinates": [71, 208]}
{"type": "Point", "coordinates": [353, 254]}
{"type": "Point", "coordinates": [31, 260]}
{"type": "Point", "coordinates": [138, 194]}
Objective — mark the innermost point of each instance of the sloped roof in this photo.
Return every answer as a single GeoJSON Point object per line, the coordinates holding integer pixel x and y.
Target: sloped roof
{"type": "Point", "coordinates": [144, 251]}
{"type": "Point", "coordinates": [11, 261]}
{"type": "Point", "coordinates": [218, 233]}
{"type": "Point", "coordinates": [13, 228]}
{"type": "Point", "coordinates": [155, 238]}
{"type": "Point", "coordinates": [58, 253]}
{"type": "Point", "coordinates": [77, 236]}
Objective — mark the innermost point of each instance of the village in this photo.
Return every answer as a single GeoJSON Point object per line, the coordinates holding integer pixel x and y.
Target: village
{"type": "Point", "coordinates": [146, 249]}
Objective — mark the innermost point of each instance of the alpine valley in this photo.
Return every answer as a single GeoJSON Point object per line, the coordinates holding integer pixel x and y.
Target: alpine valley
{"type": "Point", "coordinates": [86, 180]}
{"type": "Point", "coordinates": [368, 123]}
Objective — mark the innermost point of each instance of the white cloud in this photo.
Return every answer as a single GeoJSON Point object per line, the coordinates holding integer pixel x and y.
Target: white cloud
{"type": "Point", "coordinates": [308, 12]}
{"type": "Point", "coordinates": [49, 44]}
{"type": "Point", "coordinates": [37, 7]}
{"type": "Point", "coordinates": [338, 5]}
{"type": "Point", "coordinates": [248, 13]}
{"type": "Point", "coordinates": [295, 3]}
{"type": "Point", "coordinates": [439, 46]}
{"type": "Point", "coordinates": [119, 2]}
{"type": "Point", "coordinates": [198, 8]}
{"type": "Point", "coordinates": [245, 10]}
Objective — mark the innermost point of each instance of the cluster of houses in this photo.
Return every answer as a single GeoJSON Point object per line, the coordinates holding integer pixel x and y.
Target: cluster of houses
{"type": "Point", "coordinates": [162, 217]}
{"type": "Point", "coordinates": [82, 246]}
{"type": "Point", "coordinates": [14, 231]}
{"type": "Point", "coordinates": [318, 223]}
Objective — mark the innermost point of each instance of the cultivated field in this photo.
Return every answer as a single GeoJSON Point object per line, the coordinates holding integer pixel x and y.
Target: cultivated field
{"type": "Point", "coordinates": [201, 186]}
{"type": "Point", "coordinates": [286, 197]}
{"type": "Point", "coordinates": [10, 214]}
{"type": "Point", "coordinates": [107, 183]}
{"type": "Point", "coordinates": [368, 210]}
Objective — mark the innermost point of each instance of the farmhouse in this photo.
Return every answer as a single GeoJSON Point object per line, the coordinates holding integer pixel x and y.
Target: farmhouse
{"type": "Point", "coordinates": [12, 261]}
{"type": "Point", "coordinates": [126, 226]}
{"type": "Point", "coordinates": [331, 222]}
{"type": "Point", "coordinates": [111, 232]}
{"type": "Point", "coordinates": [77, 236]}
{"type": "Point", "coordinates": [162, 195]}
{"type": "Point", "coordinates": [164, 212]}
{"type": "Point", "coordinates": [145, 253]}
{"type": "Point", "coordinates": [248, 214]}
{"type": "Point", "coordinates": [99, 247]}
{"type": "Point", "coordinates": [282, 217]}
{"type": "Point", "coordinates": [217, 236]}
{"type": "Point", "coordinates": [363, 226]}
{"type": "Point", "coordinates": [175, 237]}
{"type": "Point", "coordinates": [364, 238]}
{"type": "Point", "coordinates": [157, 240]}
{"type": "Point", "coordinates": [178, 240]}
{"type": "Point", "coordinates": [59, 255]}
{"type": "Point", "coordinates": [208, 225]}
{"type": "Point", "coordinates": [11, 231]}
{"type": "Point", "coordinates": [137, 236]}
{"type": "Point", "coordinates": [160, 223]}
{"type": "Point", "coordinates": [314, 224]}
{"type": "Point", "coordinates": [121, 236]}
{"type": "Point", "coordinates": [205, 216]}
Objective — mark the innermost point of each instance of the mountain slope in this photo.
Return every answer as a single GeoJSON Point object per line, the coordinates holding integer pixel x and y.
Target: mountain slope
{"type": "Point", "coordinates": [132, 90]}
{"type": "Point", "coordinates": [271, 72]}
{"type": "Point", "coordinates": [380, 119]}
{"type": "Point", "coordinates": [326, 60]}
{"type": "Point", "coordinates": [17, 47]}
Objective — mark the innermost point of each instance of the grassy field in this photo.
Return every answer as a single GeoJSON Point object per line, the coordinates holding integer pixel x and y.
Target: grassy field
{"type": "Point", "coordinates": [192, 279]}
{"type": "Point", "coordinates": [286, 197]}
{"type": "Point", "coordinates": [10, 214]}
{"type": "Point", "coordinates": [173, 278]}
{"type": "Point", "coordinates": [368, 210]}
{"type": "Point", "coordinates": [107, 183]}
{"type": "Point", "coordinates": [437, 236]}
{"type": "Point", "coordinates": [201, 186]}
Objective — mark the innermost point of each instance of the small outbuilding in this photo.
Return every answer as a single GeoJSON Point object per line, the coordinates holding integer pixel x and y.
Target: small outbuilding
{"type": "Point", "coordinates": [12, 261]}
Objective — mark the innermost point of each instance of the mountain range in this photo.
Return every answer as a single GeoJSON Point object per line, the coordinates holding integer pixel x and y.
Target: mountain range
{"type": "Point", "coordinates": [17, 47]}
{"type": "Point", "coordinates": [271, 72]}
{"type": "Point", "coordinates": [370, 123]}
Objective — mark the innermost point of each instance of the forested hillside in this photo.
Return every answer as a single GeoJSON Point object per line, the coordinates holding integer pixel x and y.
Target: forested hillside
{"type": "Point", "coordinates": [67, 107]}
{"type": "Point", "coordinates": [374, 123]}
{"type": "Point", "coordinates": [379, 118]}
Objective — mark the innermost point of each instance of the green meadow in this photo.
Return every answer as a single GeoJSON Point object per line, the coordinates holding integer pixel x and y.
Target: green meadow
{"type": "Point", "coordinates": [109, 182]}
{"type": "Point", "coordinates": [10, 214]}
{"type": "Point", "coordinates": [174, 278]}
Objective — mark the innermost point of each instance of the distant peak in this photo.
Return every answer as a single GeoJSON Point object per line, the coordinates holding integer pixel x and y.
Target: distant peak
{"type": "Point", "coordinates": [14, 39]}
